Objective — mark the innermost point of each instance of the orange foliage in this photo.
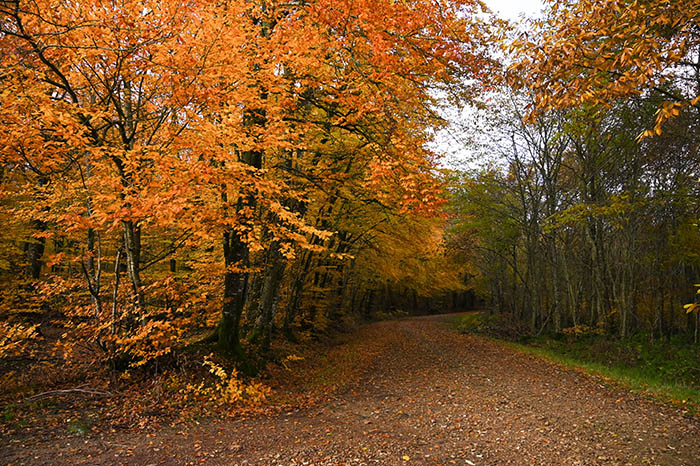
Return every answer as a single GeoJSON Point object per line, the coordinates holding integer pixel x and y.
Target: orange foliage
{"type": "Point", "coordinates": [597, 51]}
{"type": "Point", "coordinates": [137, 132]}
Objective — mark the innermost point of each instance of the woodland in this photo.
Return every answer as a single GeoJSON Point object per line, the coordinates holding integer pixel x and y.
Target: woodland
{"type": "Point", "coordinates": [210, 181]}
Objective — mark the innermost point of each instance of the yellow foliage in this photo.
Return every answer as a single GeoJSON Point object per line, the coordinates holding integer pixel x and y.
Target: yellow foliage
{"type": "Point", "coordinates": [581, 330]}
{"type": "Point", "coordinates": [229, 388]}
{"type": "Point", "coordinates": [13, 337]}
{"type": "Point", "coordinates": [291, 358]}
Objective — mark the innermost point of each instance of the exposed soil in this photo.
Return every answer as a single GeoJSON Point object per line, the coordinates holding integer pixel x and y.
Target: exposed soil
{"type": "Point", "coordinates": [429, 396]}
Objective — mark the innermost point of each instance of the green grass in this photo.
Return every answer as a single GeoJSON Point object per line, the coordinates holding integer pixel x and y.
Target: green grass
{"type": "Point", "coordinates": [471, 322]}
{"type": "Point", "coordinates": [667, 371]}
{"type": "Point", "coordinates": [636, 378]}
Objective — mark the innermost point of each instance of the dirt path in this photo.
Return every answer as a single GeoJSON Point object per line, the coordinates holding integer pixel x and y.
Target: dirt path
{"type": "Point", "coordinates": [431, 396]}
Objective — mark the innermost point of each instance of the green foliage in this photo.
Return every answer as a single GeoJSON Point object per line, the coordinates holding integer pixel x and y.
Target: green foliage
{"type": "Point", "coordinates": [581, 225]}
{"type": "Point", "coordinates": [472, 322]}
{"type": "Point", "coordinates": [78, 427]}
{"type": "Point", "coordinates": [9, 412]}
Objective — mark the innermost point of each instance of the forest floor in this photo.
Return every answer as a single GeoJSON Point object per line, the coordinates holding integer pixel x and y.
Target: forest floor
{"type": "Point", "coordinates": [427, 395]}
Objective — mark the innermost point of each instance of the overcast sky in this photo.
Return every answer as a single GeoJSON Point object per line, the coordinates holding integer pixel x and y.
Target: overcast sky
{"type": "Point", "coordinates": [458, 141]}
{"type": "Point", "coordinates": [512, 9]}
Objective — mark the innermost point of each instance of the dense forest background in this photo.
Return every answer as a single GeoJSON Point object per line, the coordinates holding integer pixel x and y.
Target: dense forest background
{"type": "Point", "coordinates": [583, 219]}
{"type": "Point", "coordinates": [237, 173]}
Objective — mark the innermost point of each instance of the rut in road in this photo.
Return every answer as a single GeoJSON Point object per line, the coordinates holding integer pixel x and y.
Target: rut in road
{"type": "Point", "coordinates": [433, 396]}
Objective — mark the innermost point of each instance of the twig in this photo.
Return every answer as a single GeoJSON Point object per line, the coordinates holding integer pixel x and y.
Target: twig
{"type": "Point", "coordinates": [83, 391]}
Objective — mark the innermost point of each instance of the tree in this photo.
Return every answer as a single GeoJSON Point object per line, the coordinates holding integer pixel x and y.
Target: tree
{"type": "Point", "coordinates": [598, 51]}
{"type": "Point", "coordinates": [188, 145]}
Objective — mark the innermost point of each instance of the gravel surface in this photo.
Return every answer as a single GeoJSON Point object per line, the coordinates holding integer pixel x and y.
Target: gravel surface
{"type": "Point", "coordinates": [429, 396]}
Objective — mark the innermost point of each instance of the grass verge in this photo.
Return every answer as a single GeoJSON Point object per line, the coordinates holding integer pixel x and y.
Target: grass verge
{"type": "Point", "coordinates": [666, 371]}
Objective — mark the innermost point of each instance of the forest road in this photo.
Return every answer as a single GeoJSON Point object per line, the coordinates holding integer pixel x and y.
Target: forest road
{"type": "Point", "coordinates": [430, 396]}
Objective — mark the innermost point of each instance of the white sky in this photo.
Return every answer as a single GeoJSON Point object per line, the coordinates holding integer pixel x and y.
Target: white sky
{"type": "Point", "coordinates": [512, 9]}
{"type": "Point", "coordinates": [458, 142]}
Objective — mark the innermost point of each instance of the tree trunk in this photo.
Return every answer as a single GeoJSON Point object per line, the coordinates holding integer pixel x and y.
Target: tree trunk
{"type": "Point", "coordinates": [132, 245]}
{"type": "Point", "coordinates": [34, 250]}
{"type": "Point", "coordinates": [235, 288]}
{"type": "Point", "coordinates": [270, 294]}
{"type": "Point", "coordinates": [295, 292]}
